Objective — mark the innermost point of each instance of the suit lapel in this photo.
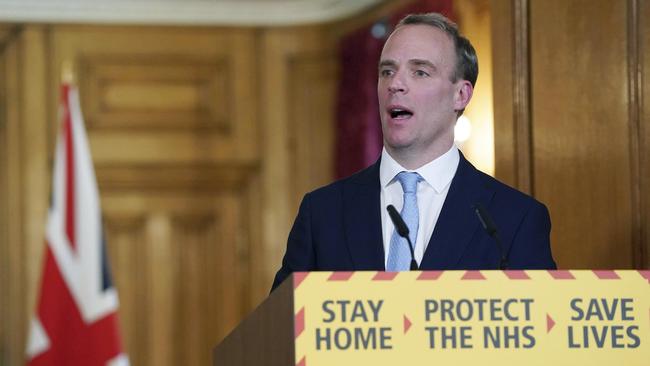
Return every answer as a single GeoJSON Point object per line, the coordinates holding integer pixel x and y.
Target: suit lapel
{"type": "Point", "coordinates": [362, 220]}
{"type": "Point", "coordinates": [457, 222]}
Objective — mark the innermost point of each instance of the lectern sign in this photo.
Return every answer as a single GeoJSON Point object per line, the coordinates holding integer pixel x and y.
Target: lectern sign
{"type": "Point", "coordinates": [471, 317]}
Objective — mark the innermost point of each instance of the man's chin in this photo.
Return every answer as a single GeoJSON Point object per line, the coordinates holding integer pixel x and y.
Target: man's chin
{"type": "Point", "coordinates": [398, 144]}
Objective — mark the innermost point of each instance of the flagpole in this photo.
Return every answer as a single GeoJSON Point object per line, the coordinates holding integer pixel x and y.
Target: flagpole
{"type": "Point", "coordinates": [67, 72]}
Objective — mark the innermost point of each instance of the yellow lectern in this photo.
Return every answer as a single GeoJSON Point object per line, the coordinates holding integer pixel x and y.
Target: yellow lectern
{"type": "Point", "coordinates": [449, 318]}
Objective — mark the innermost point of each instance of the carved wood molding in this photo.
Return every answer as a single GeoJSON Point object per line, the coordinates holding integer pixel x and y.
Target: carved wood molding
{"type": "Point", "coordinates": [166, 92]}
{"type": "Point", "coordinates": [521, 94]}
{"type": "Point", "coordinates": [199, 177]}
{"type": "Point", "coordinates": [635, 112]}
{"type": "Point", "coordinates": [644, 151]}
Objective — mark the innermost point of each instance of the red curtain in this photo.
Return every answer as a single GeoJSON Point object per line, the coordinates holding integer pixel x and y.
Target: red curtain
{"type": "Point", "coordinates": [359, 138]}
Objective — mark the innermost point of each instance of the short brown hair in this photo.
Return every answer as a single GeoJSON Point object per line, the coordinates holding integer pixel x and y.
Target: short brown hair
{"type": "Point", "coordinates": [466, 60]}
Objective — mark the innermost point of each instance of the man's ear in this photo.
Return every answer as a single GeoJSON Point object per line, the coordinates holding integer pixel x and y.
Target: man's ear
{"type": "Point", "coordinates": [463, 95]}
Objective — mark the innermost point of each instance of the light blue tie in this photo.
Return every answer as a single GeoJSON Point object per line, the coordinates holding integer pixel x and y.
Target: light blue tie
{"type": "Point", "coordinates": [399, 255]}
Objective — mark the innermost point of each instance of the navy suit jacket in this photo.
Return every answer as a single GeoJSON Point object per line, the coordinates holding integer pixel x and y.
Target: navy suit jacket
{"type": "Point", "coordinates": [338, 227]}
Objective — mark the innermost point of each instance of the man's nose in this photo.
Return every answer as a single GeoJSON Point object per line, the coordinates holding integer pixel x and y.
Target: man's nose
{"type": "Point", "coordinates": [397, 85]}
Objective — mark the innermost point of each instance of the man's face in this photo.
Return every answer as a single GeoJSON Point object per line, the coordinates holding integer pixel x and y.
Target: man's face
{"type": "Point", "coordinates": [418, 102]}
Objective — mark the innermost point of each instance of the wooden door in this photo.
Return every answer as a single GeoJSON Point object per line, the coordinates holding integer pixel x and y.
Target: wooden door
{"type": "Point", "coordinates": [571, 127]}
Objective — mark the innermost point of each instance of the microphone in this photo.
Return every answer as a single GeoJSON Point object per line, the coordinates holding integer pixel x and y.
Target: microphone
{"type": "Point", "coordinates": [403, 231]}
{"type": "Point", "coordinates": [491, 230]}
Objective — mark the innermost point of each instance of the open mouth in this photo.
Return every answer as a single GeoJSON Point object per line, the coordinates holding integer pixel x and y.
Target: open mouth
{"type": "Point", "coordinates": [400, 113]}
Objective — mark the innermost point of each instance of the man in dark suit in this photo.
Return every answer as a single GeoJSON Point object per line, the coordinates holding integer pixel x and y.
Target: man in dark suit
{"type": "Point", "coordinates": [427, 73]}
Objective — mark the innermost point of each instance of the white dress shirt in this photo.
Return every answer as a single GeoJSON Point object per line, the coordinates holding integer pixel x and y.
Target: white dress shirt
{"type": "Point", "coordinates": [431, 193]}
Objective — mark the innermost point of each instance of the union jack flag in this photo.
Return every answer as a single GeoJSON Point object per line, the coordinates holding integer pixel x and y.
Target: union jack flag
{"type": "Point", "coordinates": [76, 319]}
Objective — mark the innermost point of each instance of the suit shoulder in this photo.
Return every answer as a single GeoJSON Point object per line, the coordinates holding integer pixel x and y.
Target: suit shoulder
{"type": "Point", "coordinates": [369, 176]}
{"type": "Point", "coordinates": [509, 194]}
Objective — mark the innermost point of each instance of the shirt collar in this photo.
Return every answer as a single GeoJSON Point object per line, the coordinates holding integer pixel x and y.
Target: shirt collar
{"type": "Point", "coordinates": [437, 173]}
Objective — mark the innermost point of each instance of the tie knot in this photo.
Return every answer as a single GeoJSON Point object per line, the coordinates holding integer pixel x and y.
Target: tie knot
{"type": "Point", "coordinates": [409, 181]}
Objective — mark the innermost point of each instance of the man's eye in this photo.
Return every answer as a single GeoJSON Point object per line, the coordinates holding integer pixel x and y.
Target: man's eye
{"type": "Point", "coordinates": [421, 73]}
{"type": "Point", "coordinates": [386, 72]}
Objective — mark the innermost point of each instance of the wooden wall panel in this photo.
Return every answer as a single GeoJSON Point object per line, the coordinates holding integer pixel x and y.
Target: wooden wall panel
{"type": "Point", "coordinates": [179, 267]}
{"type": "Point", "coordinates": [511, 93]}
{"type": "Point", "coordinates": [125, 233]}
{"type": "Point", "coordinates": [178, 94]}
{"type": "Point", "coordinates": [581, 129]}
{"type": "Point", "coordinates": [33, 178]}
{"type": "Point", "coordinates": [312, 96]}
{"type": "Point", "coordinates": [171, 115]}
{"type": "Point", "coordinates": [24, 195]}
{"type": "Point", "coordinates": [298, 89]}
{"type": "Point", "coordinates": [5, 282]}
{"type": "Point", "coordinates": [643, 16]}
{"type": "Point", "coordinates": [582, 72]}
{"type": "Point", "coordinates": [474, 21]}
